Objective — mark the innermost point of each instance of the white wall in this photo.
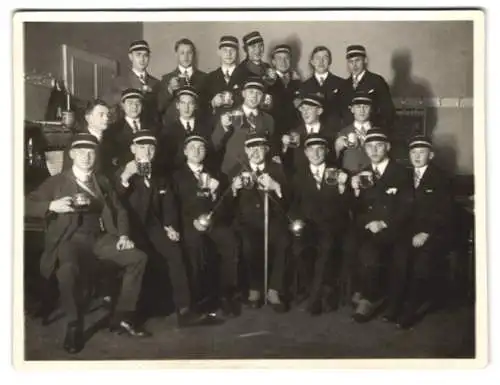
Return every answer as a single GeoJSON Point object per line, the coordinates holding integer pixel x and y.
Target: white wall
{"type": "Point", "coordinates": [435, 60]}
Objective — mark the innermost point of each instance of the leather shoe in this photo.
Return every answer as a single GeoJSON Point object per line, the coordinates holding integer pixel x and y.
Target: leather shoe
{"type": "Point", "coordinates": [129, 329]}
{"type": "Point", "coordinates": [365, 310]}
{"type": "Point", "coordinates": [191, 319]}
{"type": "Point", "coordinates": [73, 341]}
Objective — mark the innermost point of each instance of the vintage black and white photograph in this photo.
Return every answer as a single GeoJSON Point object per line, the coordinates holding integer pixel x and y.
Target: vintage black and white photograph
{"type": "Point", "coordinates": [252, 185]}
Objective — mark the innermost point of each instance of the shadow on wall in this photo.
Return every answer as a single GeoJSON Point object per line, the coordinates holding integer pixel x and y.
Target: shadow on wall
{"type": "Point", "coordinates": [405, 85]}
{"type": "Point", "coordinates": [295, 44]}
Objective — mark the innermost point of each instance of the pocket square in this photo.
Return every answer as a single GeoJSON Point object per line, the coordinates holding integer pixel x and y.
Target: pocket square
{"type": "Point", "coordinates": [162, 192]}
{"type": "Point", "coordinates": [391, 191]}
{"type": "Point", "coordinates": [429, 190]}
{"type": "Point", "coordinates": [371, 91]}
{"type": "Point", "coordinates": [335, 90]}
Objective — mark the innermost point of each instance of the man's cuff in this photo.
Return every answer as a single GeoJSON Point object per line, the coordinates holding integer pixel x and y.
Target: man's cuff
{"type": "Point", "coordinates": [125, 184]}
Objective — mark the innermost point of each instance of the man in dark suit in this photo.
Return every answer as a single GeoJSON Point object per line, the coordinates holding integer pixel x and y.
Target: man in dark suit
{"type": "Point", "coordinates": [122, 131]}
{"type": "Point", "coordinates": [138, 77]}
{"type": "Point", "coordinates": [85, 220]}
{"type": "Point", "coordinates": [311, 110]}
{"type": "Point", "coordinates": [221, 87]}
{"type": "Point", "coordinates": [254, 65]}
{"type": "Point", "coordinates": [320, 210]}
{"type": "Point", "coordinates": [266, 175]}
{"type": "Point", "coordinates": [97, 124]}
{"type": "Point", "coordinates": [382, 210]}
{"type": "Point", "coordinates": [149, 199]}
{"type": "Point", "coordinates": [362, 80]}
{"type": "Point", "coordinates": [423, 244]}
{"type": "Point", "coordinates": [327, 84]}
{"type": "Point", "coordinates": [188, 122]}
{"type": "Point", "coordinates": [284, 92]}
{"type": "Point", "coordinates": [205, 223]}
{"type": "Point", "coordinates": [184, 75]}
{"type": "Point", "coordinates": [231, 130]}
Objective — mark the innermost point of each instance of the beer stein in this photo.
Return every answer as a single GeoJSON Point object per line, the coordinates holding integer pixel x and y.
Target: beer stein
{"type": "Point", "coordinates": [68, 119]}
{"type": "Point", "coordinates": [270, 76]}
{"type": "Point", "coordinates": [331, 176]}
{"type": "Point", "coordinates": [268, 100]}
{"type": "Point", "coordinates": [297, 227]}
{"type": "Point", "coordinates": [81, 201]}
{"type": "Point", "coordinates": [204, 181]}
{"type": "Point", "coordinates": [294, 139]}
{"type": "Point", "coordinates": [143, 167]}
{"type": "Point", "coordinates": [227, 98]}
{"type": "Point", "coordinates": [237, 118]}
{"type": "Point", "coordinates": [365, 180]}
{"type": "Point", "coordinates": [247, 180]}
{"type": "Point", "coordinates": [352, 140]}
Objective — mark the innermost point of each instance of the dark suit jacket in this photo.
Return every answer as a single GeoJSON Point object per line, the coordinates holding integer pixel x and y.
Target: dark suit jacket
{"type": "Point", "coordinates": [332, 91]}
{"type": "Point", "coordinates": [148, 207]}
{"type": "Point", "coordinates": [194, 202]}
{"type": "Point", "coordinates": [326, 209]}
{"type": "Point", "coordinates": [170, 154]}
{"type": "Point", "coordinates": [378, 203]}
{"type": "Point", "coordinates": [295, 159]}
{"type": "Point", "coordinates": [249, 204]}
{"type": "Point", "coordinates": [247, 69]}
{"type": "Point", "coordinates": [285, 115]}
{"type": "Point", "coordinates": [215, 83]}
{"type": "Point", "coordinates": [230, 146]}
{"type": "Point", "coordinates": [121, 135]}
{"type": "Point", "coordinates": [150, 91]}
{"type": "Point", "coordinates": [432, 204]}
{"type": "Point", "coordinates": [166, 101]}
{"type": "Point", "coordinates": [383, 111]}
{"type": "Point", "coordinates": [60, 227]}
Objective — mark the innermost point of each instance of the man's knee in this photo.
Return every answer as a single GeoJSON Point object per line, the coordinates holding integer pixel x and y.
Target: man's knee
{"type": "Point", "coordinates": [67, 272]}
{"type": "Point", "coordinates": [368, 255]}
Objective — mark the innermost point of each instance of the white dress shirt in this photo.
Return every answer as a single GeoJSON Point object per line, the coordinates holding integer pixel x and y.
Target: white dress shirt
{"type": "Point", "coordinates": [247, 111]}
{"type": "Point", "coordinates": [228, 69]}
{"type": "Point", "coordinates": [185, 122]}
{"type": "Point", "coordinates": [363, 127]}
{"type": "Point", "coordinates": [313, 128]}
{"type": "Point", "coordinates": [188, 70]}
{"type": "Point", "coordinates": [321, 78]}
{"type": "Point", "coordinates": [141, 75]}
{"type": "Point", "coordinates": [131, 121]}
{"type": "Point", "coordinates": [197, 169]}
{"type": "Point", "coordinates": [318, 170]}
{"type": "Point", "coordinates": [255, 167]}
{"type": "Point", "coordinates": [381, 166]}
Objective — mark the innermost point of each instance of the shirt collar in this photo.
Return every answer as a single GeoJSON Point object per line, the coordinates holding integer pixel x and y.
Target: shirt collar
{"type": "Point", "coordinates": [360, 76]}
{"type": "Point", "coordinates": [81, 175]}
{"type": "Point", "coordinates": [321, 77]}
{"type": "Point", "coordinates": [313, 128]}
{"type": "Point", "coordinates": [130, 121]}
{"type": "Point", "coordinates": [226, 68]}
{"type": "Point", "coordinates": [139, 74]}
{"type": "Point", "coordinates": [248, 110]}
{"type": "Point", "coordinates": [188, 69]}
{"type": "Point", "coordinates": [195, 168]}
{"type": "Point", "coordinates": [421, 170]}
{"type": "Point", "coordinates": [186, 121]}
{"type": "Point", "coordinates": [320, 168]}
{"type": "Point", "coordinates": [256, 167]}
{"type": "Point", "coordinates": [96, 133]}
{"type": "Point", "coordinates": [381, 166]}
{"type": "Point", "coordinates": [362, 126]}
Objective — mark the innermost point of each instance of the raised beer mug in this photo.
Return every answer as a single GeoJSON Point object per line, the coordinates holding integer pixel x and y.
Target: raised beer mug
{"type": "Point", "coordinates": [365, 180]}
{"type": "Point", "coordinates": [331, 176]}
{"type": "Point", "coordinates": [143, 167]}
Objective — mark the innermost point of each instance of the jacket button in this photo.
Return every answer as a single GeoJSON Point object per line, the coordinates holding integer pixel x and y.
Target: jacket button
{"type": "Point", "coordinates": [257, 205]}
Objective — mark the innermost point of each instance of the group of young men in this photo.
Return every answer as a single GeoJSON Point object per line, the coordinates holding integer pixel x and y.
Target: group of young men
{"type": "Point", "coordinates": [203, 170]}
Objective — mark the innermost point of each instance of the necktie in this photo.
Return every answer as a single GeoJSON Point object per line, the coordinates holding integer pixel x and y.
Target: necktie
{"type": "Point", "coordinates": [355, 81]}
{"type": "Point", "coordinates": [416, 178]}
{"type": "Point", "coordinates": [321, 81]}
{"type": "Point", "coordinates": [227, 77]}
{"type": "Point", "coordinates": [286, 79]}
{"type": "Point", "coordinates": [142, 78]}
{"type": "Point", "coordinates": [188, 127]}
{"type": "Point", "coordinates": [376, 173]}
{"type": "Point", "coordinates": [251, 119]}
{"type": "Point", "coordinates": [146, 181]}
{"type": "Point", "coordinates": [318, 178]}
{"type": "Point", "coordinates": [135, 126]}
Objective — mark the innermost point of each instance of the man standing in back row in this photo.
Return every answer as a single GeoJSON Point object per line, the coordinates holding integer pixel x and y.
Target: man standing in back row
{"type": "Point", "coordinates": [372, 84]}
